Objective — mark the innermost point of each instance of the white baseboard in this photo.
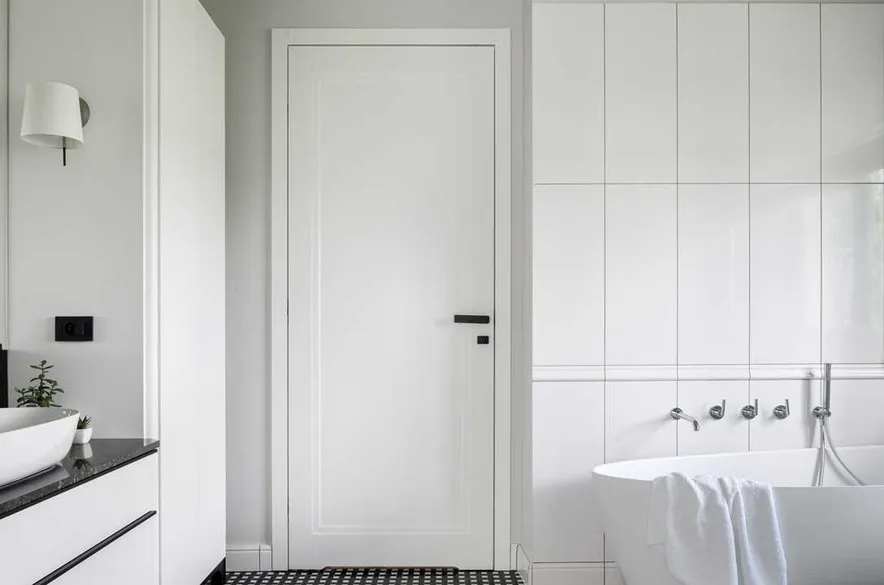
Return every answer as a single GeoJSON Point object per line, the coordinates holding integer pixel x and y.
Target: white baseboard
{"type": "Point", "coordinates": [522, 564]}
{"type": "Point", "coordinates": [249, 557]}
{"type": "Point", "coordinates": [574, 574]}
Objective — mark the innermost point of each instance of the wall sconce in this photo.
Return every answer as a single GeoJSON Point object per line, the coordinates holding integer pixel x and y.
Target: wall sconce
{"type": "Point", "coordinates": [54, 116]}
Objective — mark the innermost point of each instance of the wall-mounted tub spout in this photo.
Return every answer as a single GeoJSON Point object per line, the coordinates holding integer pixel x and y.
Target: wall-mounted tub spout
{"type": "Point", "coordinates": [679, 414]}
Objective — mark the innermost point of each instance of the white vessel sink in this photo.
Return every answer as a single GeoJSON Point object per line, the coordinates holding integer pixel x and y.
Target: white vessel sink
{"type": "Point", "coordinates": [33, 440]}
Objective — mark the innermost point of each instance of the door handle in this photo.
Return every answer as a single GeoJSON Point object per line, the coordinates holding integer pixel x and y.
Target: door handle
{"type": "Point", "coordinates": [473, 319]}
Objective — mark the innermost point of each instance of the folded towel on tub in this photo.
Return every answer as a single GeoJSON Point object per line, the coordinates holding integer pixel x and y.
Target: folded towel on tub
{"type": "Point", "coordinates": [717, 530]}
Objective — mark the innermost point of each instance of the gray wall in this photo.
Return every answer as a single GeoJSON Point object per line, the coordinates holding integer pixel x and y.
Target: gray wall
{"type": "Point", "coordinates": [246, 26]}
{"type": "Point", "coordinates": [75, 232]}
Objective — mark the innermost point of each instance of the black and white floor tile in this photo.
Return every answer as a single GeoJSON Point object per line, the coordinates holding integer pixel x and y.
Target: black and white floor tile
{"type": "Point", "coordinates": [377, 577]}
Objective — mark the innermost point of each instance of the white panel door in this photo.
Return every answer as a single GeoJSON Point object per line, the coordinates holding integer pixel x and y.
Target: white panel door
{"type": "Point", "coordinates": [641, 87]}
{"type": "Point", "coordinates": [569, 93]}
{"type": "Point", "coordinates": [713, 93]}
{"type": "Point", "coordinates": [784, 67]}
{"type": "Point", "coordinates": [391, 233]}
{"type": "Point", "coordinates": [853, 93]}
{"type": "Point", "coordinates": [569, 275]}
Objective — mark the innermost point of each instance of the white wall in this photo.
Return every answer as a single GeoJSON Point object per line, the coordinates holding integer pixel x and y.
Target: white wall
{"type": "Point", "coordinates": [246, 26]}
{"type": "Point", "coordinates": [708, 225]}
{"type": "Point", "coordinates": [75, 232]}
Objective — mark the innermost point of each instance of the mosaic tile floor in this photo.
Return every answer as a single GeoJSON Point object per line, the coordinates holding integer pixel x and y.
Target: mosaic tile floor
{"type": "Point", "coordinates": [377, 577]}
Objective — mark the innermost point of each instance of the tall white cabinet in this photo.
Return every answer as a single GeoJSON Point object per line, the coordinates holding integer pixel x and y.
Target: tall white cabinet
{"type": "Point", "coordinates": [709, 183]}
{"type": "Point", "coordinates": [133, 232]}
{"type": "Point", "coordinates": [189, 309]}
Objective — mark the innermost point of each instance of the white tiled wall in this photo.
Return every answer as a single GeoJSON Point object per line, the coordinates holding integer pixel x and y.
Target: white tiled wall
{"type": "Point", "coordinates": [641, 262]}
{"type": "Point", "coordinates": [785, 274]}
{"type": "Point", "coordinates": [784, 82]}
{"type": "Point", "coordinates": [569, 275]}
{"type": "Point", "coordinates": [709, 225]}
{"type": "Point", "coordinates": [569, 94]}
{"type": "Point", "coordinates": [640, 89]}
{"type": "Point", "coordinates": [713, 96]}
{"type": "Point", "coordinates": [853, 282]}
{"type": "Point", "coordinates": [852, 92]}
{"type": "Point", "coordinates": [713, 274]}
{"type": "Point", "coordinates": [567, 446]}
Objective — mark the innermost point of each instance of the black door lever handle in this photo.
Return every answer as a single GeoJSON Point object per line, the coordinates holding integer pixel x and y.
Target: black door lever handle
{"type": "Point", "coordinates": [473, 319]}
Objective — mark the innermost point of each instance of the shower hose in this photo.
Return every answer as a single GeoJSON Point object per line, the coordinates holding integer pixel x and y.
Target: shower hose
{"type": "Point", "coordinates": [827, 445]}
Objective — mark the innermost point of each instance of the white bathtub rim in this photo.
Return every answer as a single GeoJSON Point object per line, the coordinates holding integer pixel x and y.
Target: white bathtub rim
{"type": "Point", "coordinates": [639, 469]}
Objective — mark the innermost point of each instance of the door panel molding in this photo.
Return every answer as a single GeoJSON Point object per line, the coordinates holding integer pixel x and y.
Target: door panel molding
{"type": "Point", "coordinates": [282, 39]}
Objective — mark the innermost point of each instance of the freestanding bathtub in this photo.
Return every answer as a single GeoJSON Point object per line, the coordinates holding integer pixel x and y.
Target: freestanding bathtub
{"type": "Point", "coordinates": [832, 535]}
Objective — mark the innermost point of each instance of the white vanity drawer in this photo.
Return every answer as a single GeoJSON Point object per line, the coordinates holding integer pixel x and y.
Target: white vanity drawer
{"type": "Point", "coordinates": [131, 559]}
{"type": "Point", "coordinates": [40, 539]}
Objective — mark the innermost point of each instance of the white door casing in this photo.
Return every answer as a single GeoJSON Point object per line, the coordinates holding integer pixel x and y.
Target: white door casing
{"type": "Point", "coordinates": [421, 189]}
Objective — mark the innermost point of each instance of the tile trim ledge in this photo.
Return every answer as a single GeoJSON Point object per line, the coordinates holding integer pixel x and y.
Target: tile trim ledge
{"type": "Point", "coordinates": [711, 373]}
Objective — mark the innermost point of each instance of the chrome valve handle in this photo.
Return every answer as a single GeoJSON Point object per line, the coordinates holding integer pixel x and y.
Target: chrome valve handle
{"type": "Point", "coordinates": [782, 411]}
{"type": "Point", "coordinates": [750, 411]}
{"type": "Point", "coordinates": [717, 412]}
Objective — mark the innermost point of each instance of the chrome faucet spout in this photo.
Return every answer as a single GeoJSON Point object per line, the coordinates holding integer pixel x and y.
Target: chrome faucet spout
{"type": "Point", "coordinates": [679, 414]}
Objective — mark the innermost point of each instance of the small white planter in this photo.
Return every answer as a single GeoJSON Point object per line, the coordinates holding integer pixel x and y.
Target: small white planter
{"type": "Point", "coordinates": [82, 436]}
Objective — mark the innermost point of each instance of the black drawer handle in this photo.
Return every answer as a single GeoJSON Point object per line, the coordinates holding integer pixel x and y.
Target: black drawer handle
{"type": "Point", "coordinates": [473, 319]}
{"type": "Point", "coordinates": [95, 549]}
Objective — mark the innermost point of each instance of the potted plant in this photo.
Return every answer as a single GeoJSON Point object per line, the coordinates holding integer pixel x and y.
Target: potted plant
{"type": "Point", "coordinates": [41, 393]}
{"type": "Point", "coordinates": [84, 430]}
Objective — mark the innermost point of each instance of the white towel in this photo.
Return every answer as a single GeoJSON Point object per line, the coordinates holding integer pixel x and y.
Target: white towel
{"type": "Point", "coordinates": [717, 531]}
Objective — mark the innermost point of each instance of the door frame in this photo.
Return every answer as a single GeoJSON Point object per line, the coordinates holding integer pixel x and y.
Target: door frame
{"type": "Point", "coordinates": [281, 40]}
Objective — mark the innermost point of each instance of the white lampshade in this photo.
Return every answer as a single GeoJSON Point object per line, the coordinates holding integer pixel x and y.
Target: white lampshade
{"type": "Point", "coordinates": [52, 115]}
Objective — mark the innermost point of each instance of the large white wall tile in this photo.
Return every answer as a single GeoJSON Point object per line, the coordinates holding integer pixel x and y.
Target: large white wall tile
{"type": "Point", "coordinates": [638, 424]}
{"type": "Point", "coordinates": [713, 274]}
{"type": "Point", "coordinates": [785, 274]}
{"type": "Point", "coordinates": [569, 93]}
{"type": "Point", "coordinates": [853, 92]}
{"type": "Point", "coordinates": [768, 433]}
{"type": "Point", "coordinates": [641, 269]}
{"type": "Point", "coordinates": [785, 92]}
{"type": "Point", "coordinates": [856, 412]}
{"type": "Point", "coordinates": [727, 435]}
{"type": "Point", "coordinates": [853, 273]}
{"type": "Point", "coordinates": [713, 93]}
{"type": "Point", "coordinates": [641, 88]}
{"type": "Point", "coordinates": [568, 442]}
{"type": "Point", "coordinates": [569, 275]}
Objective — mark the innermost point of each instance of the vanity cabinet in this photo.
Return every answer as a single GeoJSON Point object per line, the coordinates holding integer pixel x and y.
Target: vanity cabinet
{"type": "Point", "coordinates": [132, 559]}
{"type": "Point", "coordinates": [99, 530]}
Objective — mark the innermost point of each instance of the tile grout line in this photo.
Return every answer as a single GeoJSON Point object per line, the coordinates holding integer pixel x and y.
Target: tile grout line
{"type": "Point", "coordinates": [604, 258]}
{"type": "Point", "coordinates": [677, 220]}
{"type": "Point", "coordinates": [749, 208]}
{"type": "Point", "coordinates": [820, 356]}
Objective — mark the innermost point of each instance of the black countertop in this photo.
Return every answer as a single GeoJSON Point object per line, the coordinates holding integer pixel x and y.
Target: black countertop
{"type": "Point", "coordinates": [83, 462]}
